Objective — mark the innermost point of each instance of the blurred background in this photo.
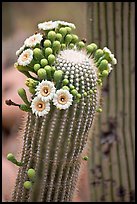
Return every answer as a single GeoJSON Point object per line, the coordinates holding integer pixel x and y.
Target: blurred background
{"type": "Point", "coordinates": [110, 172]}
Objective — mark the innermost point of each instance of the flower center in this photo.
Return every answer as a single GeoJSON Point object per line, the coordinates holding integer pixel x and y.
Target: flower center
{"type": "Point", "coordinates": [45, 91]}
{"type": "Point", "coordinates": [62, 99]}
{"type": "Point", "coordinates": [25, 56]}
{"type": "Point", "coordinates": [40, 106]}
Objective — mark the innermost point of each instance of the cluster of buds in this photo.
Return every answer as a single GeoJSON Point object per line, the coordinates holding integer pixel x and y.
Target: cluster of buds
{"type": "Point", "coordinates": [59, 59]}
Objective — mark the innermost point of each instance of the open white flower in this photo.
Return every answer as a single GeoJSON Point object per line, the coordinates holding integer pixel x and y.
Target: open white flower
{"type": "Point", "coordinates": [25, 58]}
{"type": "Point", "coordinates": [33, 40]}
{"type": "Point", "coordinates": [48, 25]}
{"type": "Point", "coordinates": [67, 24]}
{"type": "Point", "coordinates": [45, 90]}
{"type": "Point", "coordinates": [40, 107]}
{"type": "Point", "coordinates": [62, 99]}
{"type": "Point", "coordinates": [18, 52]}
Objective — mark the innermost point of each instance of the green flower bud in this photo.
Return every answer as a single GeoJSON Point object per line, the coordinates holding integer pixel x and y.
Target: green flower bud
{"type": "Point", "coordinates": [42, 73]}
{"type": "Point", "coordinates": [63, 31]}
{"type": "Point", "coordinates": [99, 110]}
{"type": "Point", "coordinates": [31, 173]}
{"type": "Point", "coordinates": [36, 67]}
{"type": "Point", "coordinates": [47, 43]}
{"type": "Point", "coordinates": [78, 96]}
{"type": "Point", "coordinates": [53, 69]}
{"type": "Point", "coordinates": [99, 81]}
{"type": "Point", "coordinates": [105, 73]}
{"type": "Point", "coordinates": [68, 29]}
{"type": "Point", "coordinates": [48, 51]}
{"type": "Point", "coordinates": [37, 53]}
{"type": "Point", "coordinates": [59, 36]}
{"type": "Point", "coordinates": [99, 53]}
{"type": "Point", "coordinates": [48, 71]}
{"type": "Point", "coordinates": [85, 94]}
{"type": "Point", "coordinates": [91, 48]}
{"type": "Point", "coordinates": [51, 35]}
{"type": "Point", "coordinates": [74, 38]}
{"type": "Point", "coordinates": [85, 158]}
{"type": "Point", "coordinates": [44, 62]}
{"type": "Point", "coordinates": [58, 75]}
{"type": "Point", "coordinates": [27, 185]}
{"type": "Point", "coordinates": [22, 94]}
{"type": "Point", "coordinates": [81, 44]}
{"type": "Point", "coordinates": [94, 46]}
{"type": "Point", "coordinates": [90, 91]}
{"type": "Point", "coordinates": [32, 90]}
{"type": "Point", "coordinates": [71, 45]}
{"type": "Point", "coordinates": [65, 88]}
{"type": "Point", "coordinates": [65, 81]}
{"type": "Point", "coordinates": [25, 108]}
{"type": "Point", "coordinates": [103, 65]}
{"type": "Point", "coordinates": [56, 45]}
{"type": "Point", "coordinates": [11, 157]}
{"type": "Point", "coordinates": [68, 38]}
{"type": "Point", "coordinates": [31, 82]}
{"type": "Point", "coordinates": [63, 46]}
{"type": "Point", "coordinates": [71, 87]}
{"type": "Point", "coordinates": [51, 58]}
{"type": "Point", "coordinates": [74, 92]}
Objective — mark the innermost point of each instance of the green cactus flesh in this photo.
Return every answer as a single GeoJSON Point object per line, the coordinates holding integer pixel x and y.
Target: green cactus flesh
{"type": "Point", "coordinates": [54, 141]}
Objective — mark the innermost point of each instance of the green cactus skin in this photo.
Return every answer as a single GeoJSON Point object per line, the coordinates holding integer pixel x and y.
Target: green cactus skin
{"type": "Point", "coordinates": [55, 140]}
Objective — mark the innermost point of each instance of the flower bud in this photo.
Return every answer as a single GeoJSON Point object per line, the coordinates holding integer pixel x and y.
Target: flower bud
{"type": "Point", "coordinates": [42, 73]}
{"type": "Point", "coordinates": [36, 67]}
{"type": "Point", "coordinates": [22, 94]}
{"type": "Point", "coordinates": [58, 75]}
{"type": "Point", "coordinates": [63, 31]}
{"type": "Point", "coordinates": [31, 173]}
{"type": "Point", "coordinates": [103, 65]}
{"type": "Point", "coordinates": [51, 58]}
{"type": "Point", "coordinates": [48, 51]}
{"type": "Point", "coordinates": [37, 53]}
{"type": "Point", "coordinates": [81, 45]}
{"type": "Point", "coordinates": [99, 53]}
{"type": "Point", "coordinates": [44, 62]}
{"type": "Point", "coordinates": [105, 73]}
{"type": "Point", "coordinates": [56, 45]}
{"type": "Point", "coordinates": [48, 71]}
{"type": "Point", "coordinates": [59, 36]}
{"type": "Point", "coordinates": [51, 35]}
{"type": "Point", "coordinates": [74, 38]}
{"type": "Point", "coordinates": [27, 185]}
{"type": "Point", "coordinates": [47, 43]}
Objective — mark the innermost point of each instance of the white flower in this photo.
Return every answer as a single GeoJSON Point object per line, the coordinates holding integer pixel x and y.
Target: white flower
{"type": "Point", "coordinates": [48, 25]}
{"type": "Point", "coordinates": [110, 67]}
{"type": "Point", "coordinates": [106, 50]}
{"type": "Point", "coordinates": [18, 52]}
{"type": "Point", "coordinates": [62, 99]}
{"type": "Point", "coordinates": [40, 107]}
{"type": "Point", "coordinates": [33, 40]}
{"type": "Point", "coordinates": [25, 58]}
{"type": "Point", "coordinates": [45, 90]}
{"type": "Point", "coordinates": [113, 59]}
{"type": "Point", "coordinates": [67, 24]}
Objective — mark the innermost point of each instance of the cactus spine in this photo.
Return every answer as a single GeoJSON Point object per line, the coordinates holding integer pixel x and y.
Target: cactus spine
{"type": "Point", "coordinates": [65, 98]}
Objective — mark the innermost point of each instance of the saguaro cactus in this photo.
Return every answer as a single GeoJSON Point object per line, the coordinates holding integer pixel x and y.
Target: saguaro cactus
{"type": "Point", "coordinates": [65, 85]}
